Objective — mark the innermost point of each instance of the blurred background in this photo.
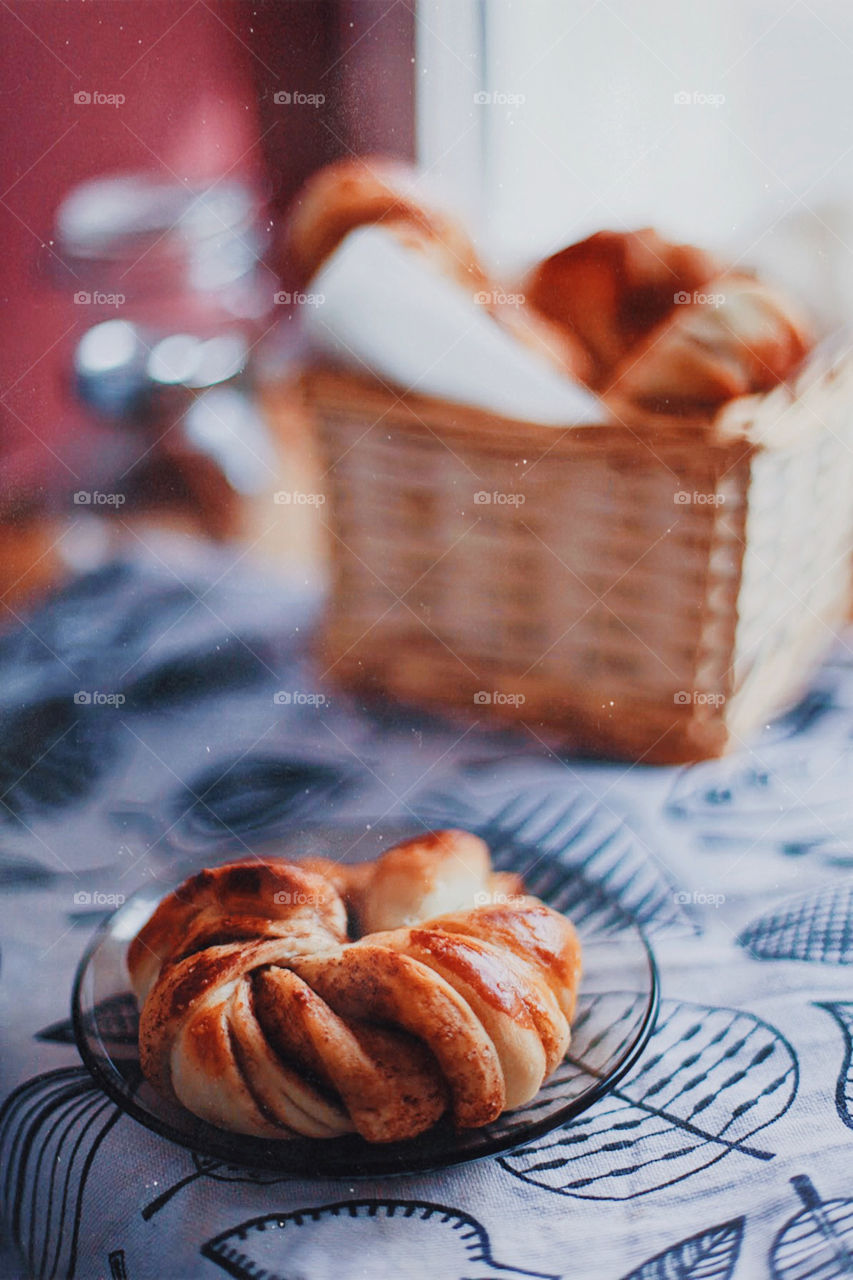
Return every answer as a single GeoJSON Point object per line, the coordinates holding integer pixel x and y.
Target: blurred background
{"type": "Point", "coordinates": [726, 124]}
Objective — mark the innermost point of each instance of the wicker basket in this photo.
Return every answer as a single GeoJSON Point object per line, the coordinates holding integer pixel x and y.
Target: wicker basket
{"type": "Point", "coordinates": [651, 595]}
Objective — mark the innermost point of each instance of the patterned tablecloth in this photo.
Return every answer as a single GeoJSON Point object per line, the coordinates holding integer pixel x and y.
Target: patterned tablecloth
{"type": "Point", "coordinates": [141, 722]}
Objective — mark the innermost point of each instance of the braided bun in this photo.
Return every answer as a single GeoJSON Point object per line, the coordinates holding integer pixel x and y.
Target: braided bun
{"type": "Point", "coordinates": [318, 999]}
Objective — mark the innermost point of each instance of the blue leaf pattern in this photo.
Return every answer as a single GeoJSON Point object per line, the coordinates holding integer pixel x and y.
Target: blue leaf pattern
{"type": "Point", "coordinates": [842, 1011]}
{"type": "Point", "coordinates": [710, 1079]}
{"type": "Point", "coordinates": [814, 926]}
{"type": "Point", "coordinates": [711, 1255]}
{"type": "Point", "coordinates": [817, 1244]}
{"type": "Point", "coordinates": [65, 1115]}
{"type": "Point", "coordinates": [456, 1245]}
{"type": "Point", "coordinates": [609, 880]}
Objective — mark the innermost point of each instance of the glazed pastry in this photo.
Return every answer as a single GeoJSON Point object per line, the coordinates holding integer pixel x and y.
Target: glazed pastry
{"type": "Point", "coordinates": [746, 337]}
{"type": "Point", "coordinates": [610, 290]}
{"type": "Point", "coordinates": [281, 999]}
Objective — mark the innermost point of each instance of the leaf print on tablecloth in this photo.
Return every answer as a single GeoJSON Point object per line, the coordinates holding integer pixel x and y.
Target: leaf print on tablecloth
{"type": "Point", "coordinates": [817, 1244]}
{"type": "Point", "coordinates": [52, 755]}
{"type": "Point", "coordinates": [200, 674]}
{"type": "Point", "coordinates": [330, 1243]}
{"type": "Point", "coordinates": [255, 794]}
{"type": "Point", "coordinates": [842, 1012]}
{"type": "Point", "coordinates": [710, 1255]}
{"type": "Point", "coordinates": [115, 1020]}
{"type": "Point", "coordinates": [118, 1265]}
{"type": "Point", "coordinates": [219, 1171]}
{"type": "Point", "coordinates": [53, 1123]}
{"type": "Point", "coordinates": [580, 858]}
{"type": "Point", "coordinates": [739, 799]}
{"type": "Point", "coordinates": [815, 926]}
{"type": "Point", "coordinates": [710, 1079]}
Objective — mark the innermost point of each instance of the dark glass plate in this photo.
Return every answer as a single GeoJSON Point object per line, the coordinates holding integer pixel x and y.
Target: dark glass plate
{"type": "Point", "coordinates": [615, 1016]}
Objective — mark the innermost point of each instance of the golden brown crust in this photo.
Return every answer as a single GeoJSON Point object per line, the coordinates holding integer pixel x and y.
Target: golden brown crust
{"type": "Point", "coordinates": [613, 288]}
{"type": "Point", "coordinates": [358, 191]}
{"type": "Point", "coordinates": [367, 982]}
{"type": "Point", "coordinates": [221, 904]}
{"type": "Point", "coordinates": [261, 1015]}
{"type": "Point", "coordinates": [534, 933]}
{"type": "Point", "coordinates": [385, 1080]}
{"type": "Point", "coordinates": [738, 338]}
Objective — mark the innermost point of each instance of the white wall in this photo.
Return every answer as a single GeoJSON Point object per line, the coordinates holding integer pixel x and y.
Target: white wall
{"type": "Point", "coordinates": [599, 139]}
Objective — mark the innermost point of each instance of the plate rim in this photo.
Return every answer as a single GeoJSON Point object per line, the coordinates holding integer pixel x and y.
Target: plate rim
{"type": "Point", "coordinates": [320, 1168]}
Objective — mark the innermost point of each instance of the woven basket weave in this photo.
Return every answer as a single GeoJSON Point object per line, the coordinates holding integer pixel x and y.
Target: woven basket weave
{"type": "Point", "coordinates": [651, 595]}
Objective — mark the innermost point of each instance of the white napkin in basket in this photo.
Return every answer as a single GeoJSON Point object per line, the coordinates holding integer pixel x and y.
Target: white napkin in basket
{"type": "Point", "coordinates": [375, 307]}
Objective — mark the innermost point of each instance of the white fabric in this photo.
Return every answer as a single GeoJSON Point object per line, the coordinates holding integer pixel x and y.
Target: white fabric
{"type": "Point", "coordinates": [386, 312]}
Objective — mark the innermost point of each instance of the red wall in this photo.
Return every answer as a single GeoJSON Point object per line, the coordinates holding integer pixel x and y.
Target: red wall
{"type": "Point", "coordinates": [198, 81]}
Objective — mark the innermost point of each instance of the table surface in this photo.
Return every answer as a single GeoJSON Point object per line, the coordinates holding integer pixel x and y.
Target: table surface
{"type": "Point", "coordinates": [726, 1151]}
